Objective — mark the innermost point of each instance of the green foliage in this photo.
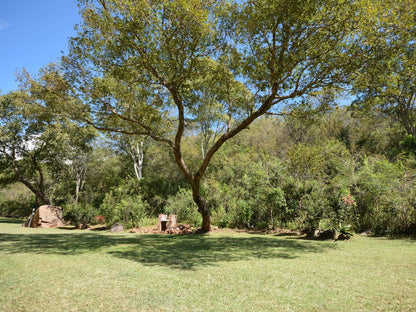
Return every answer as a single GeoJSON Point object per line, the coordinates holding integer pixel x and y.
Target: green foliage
{"type": "Point", "coordinates": [35, 145]}
{"type": "Point", "coordinates": [409, 144]}
{"type": "Point", "coordinates": [343, 231]}
{"type": "Point", "coordinates": [123, 207]}
{"type": "Point", "coordinates": [386, 81]}
{"type": "Point", "coordinates": [167, 69]}
{"type": "Point", "coordinates": [151, 222]}
{"type": "Point", "coordinates": [182, 205]}
{"type": "Point", "coordinates": [80, 214]}
{"type": "Point", "coordinates": [16, 201]}
{"type": "Point", "coordinates": [384, 196]}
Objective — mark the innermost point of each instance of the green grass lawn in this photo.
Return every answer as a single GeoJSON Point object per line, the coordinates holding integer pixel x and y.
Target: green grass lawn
{"type": "Point", "coordinates": [71, 270]}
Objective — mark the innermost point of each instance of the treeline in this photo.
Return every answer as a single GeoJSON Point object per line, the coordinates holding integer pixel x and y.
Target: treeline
{"type": "Point", "coordinates": [334, 168]}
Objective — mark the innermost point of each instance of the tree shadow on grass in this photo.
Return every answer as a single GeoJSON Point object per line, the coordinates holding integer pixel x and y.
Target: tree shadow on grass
{"type": "Point", "coordinates": [176, 252]}
{"type": "Point", "coordinates": [12, 220]}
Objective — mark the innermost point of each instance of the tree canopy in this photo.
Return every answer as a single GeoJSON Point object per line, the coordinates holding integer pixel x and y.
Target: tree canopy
{"type": "Point", "coordinates": [386, 80]}
{"type": "Point", "coordinates": [33, 139]}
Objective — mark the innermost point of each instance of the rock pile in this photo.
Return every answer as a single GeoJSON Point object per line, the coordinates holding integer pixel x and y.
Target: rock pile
{"type": "Point", "coordinates": [179, 229]}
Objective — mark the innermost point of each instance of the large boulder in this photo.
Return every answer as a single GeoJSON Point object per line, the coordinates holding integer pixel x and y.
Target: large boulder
{"type": "Point", "coordinates": [47, 216]}
{"type": "Point", "coordinates": [117, 228]}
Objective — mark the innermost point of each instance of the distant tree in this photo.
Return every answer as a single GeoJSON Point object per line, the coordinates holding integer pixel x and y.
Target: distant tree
{"type": "Point", "coordinates": [159, 68]}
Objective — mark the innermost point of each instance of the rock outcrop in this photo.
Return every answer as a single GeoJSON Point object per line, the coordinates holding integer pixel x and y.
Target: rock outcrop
{"type": "Point", "coordinates": [46, 216]}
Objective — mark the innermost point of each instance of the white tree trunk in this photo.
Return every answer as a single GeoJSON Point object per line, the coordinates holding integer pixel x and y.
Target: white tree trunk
{"type": "Point", "coordinates": [136, 153]}
{"type": "Point", "coordinates": [80, 175]}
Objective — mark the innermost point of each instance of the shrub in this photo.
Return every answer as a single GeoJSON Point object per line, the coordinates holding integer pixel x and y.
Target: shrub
{"type": "Point", "coordinates": [16, 200]}
{"type": "Point", "coordinates": [127, 209]}
{"type": "Point", "coordinates": [182, 205]}
{"type": "Point", "coordinates": [80, 214]}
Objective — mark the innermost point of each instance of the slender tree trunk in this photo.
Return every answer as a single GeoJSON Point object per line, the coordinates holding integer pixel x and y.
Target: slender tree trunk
{"type": "Point", "coordinates": [136, 153]}
{"type": "Point", "coordinates": [77, 189]}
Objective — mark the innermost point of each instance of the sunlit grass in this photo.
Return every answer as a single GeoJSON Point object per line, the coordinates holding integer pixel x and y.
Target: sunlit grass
{"type": "Point", "coordinates": [70, 270]}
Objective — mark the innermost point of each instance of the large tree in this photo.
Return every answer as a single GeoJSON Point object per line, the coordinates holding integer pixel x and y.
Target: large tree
{"type": "Point", "coordinates": [387, 79]}
{"type": "Point", "coordinates": [21, 149]}
{"type": "Point", "coordinates": [36, 146]}
{"type": "Point", "coordinates": [164, 69]}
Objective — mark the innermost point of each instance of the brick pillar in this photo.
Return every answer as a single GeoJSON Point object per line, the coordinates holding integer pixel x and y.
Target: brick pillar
{"type": "Point", "coordinates": [172, 221]}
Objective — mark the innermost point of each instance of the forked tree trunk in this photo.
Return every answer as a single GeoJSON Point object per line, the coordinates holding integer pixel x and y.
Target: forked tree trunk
{"type": "Point", "coordinates": [136, 153]}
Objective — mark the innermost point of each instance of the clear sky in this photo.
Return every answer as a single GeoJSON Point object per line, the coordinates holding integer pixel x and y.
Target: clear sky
{"type": "Point", "coordinates": [32, 34]}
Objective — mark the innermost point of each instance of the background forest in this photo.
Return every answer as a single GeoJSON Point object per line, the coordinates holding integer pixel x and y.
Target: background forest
{"type": "Point", "coordinates": [337, 166]}
{"type": "Point", "coordinates": [317, 97]}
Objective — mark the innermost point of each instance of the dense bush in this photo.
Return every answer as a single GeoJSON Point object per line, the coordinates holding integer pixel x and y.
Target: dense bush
{"type": "Point", "coordinates": [120, 207]}
{"type": "Point", "coordinates": [16, 201]}
{"type": "Point", "coordinates": [80, 214]}
{"type": "Point", "coordinates": [184, 207]}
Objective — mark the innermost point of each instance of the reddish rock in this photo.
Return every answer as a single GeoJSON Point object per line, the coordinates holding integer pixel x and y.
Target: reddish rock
{"type": "Point", "coordinates": [47, 216]}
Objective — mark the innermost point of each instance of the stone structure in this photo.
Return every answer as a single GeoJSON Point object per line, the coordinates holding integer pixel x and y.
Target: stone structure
{"type": "Point", "coordinates": [166, 223]}
{"type": "Point", "coordinates": [172, 221]}
{"type": "Point", "coordinates": [47, 216]}
{"type": "Point", "coordinates": [162, 223]}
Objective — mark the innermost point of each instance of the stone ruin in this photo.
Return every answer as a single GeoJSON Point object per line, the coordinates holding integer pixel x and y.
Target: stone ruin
{"type": "Point", "coordinates": [46, 216]}
{"type": "Point", "coordinates": [165, 223]}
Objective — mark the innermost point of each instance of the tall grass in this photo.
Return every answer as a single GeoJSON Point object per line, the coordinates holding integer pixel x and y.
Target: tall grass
{"type": "Point", "coordinates": [71, 270]}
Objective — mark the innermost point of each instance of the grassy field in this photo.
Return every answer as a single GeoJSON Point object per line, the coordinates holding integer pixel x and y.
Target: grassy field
{"type": "Point", "coordinates": [71, 270]}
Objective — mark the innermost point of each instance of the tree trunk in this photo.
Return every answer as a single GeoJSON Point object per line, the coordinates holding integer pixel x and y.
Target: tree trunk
{"type": "Point", "coordinates": [206, 219]}
{"type": "Point", "coordinates": [41, 198]}
{"type": "Point", "coordinates": [136, 153]}
{"type": "Point", "coordinates": [77, 188]}
{"type": "Point", "coordinates": [202, 209]}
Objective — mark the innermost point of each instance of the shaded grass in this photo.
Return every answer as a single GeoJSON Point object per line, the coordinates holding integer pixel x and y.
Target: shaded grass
{"type": "Point", "coordinates": [11, 220]}
{"type": "Point", "coordinates": [178, 252]}
{"type": "Point", "coordinates": [70, 270]}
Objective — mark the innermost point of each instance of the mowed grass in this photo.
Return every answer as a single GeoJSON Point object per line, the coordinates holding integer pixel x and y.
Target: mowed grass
{"type": "Point", "coordinates": [71, 270]}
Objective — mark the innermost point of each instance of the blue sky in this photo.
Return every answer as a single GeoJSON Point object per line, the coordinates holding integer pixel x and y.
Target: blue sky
{"type": "Point", "coordinates": [32, 34]}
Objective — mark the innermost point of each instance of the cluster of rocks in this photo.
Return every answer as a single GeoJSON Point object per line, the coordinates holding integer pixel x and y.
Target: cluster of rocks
{"type": "Point", "coordinates": [178, 229]}
{"type": "Point", "coordinates": [181, 229]}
